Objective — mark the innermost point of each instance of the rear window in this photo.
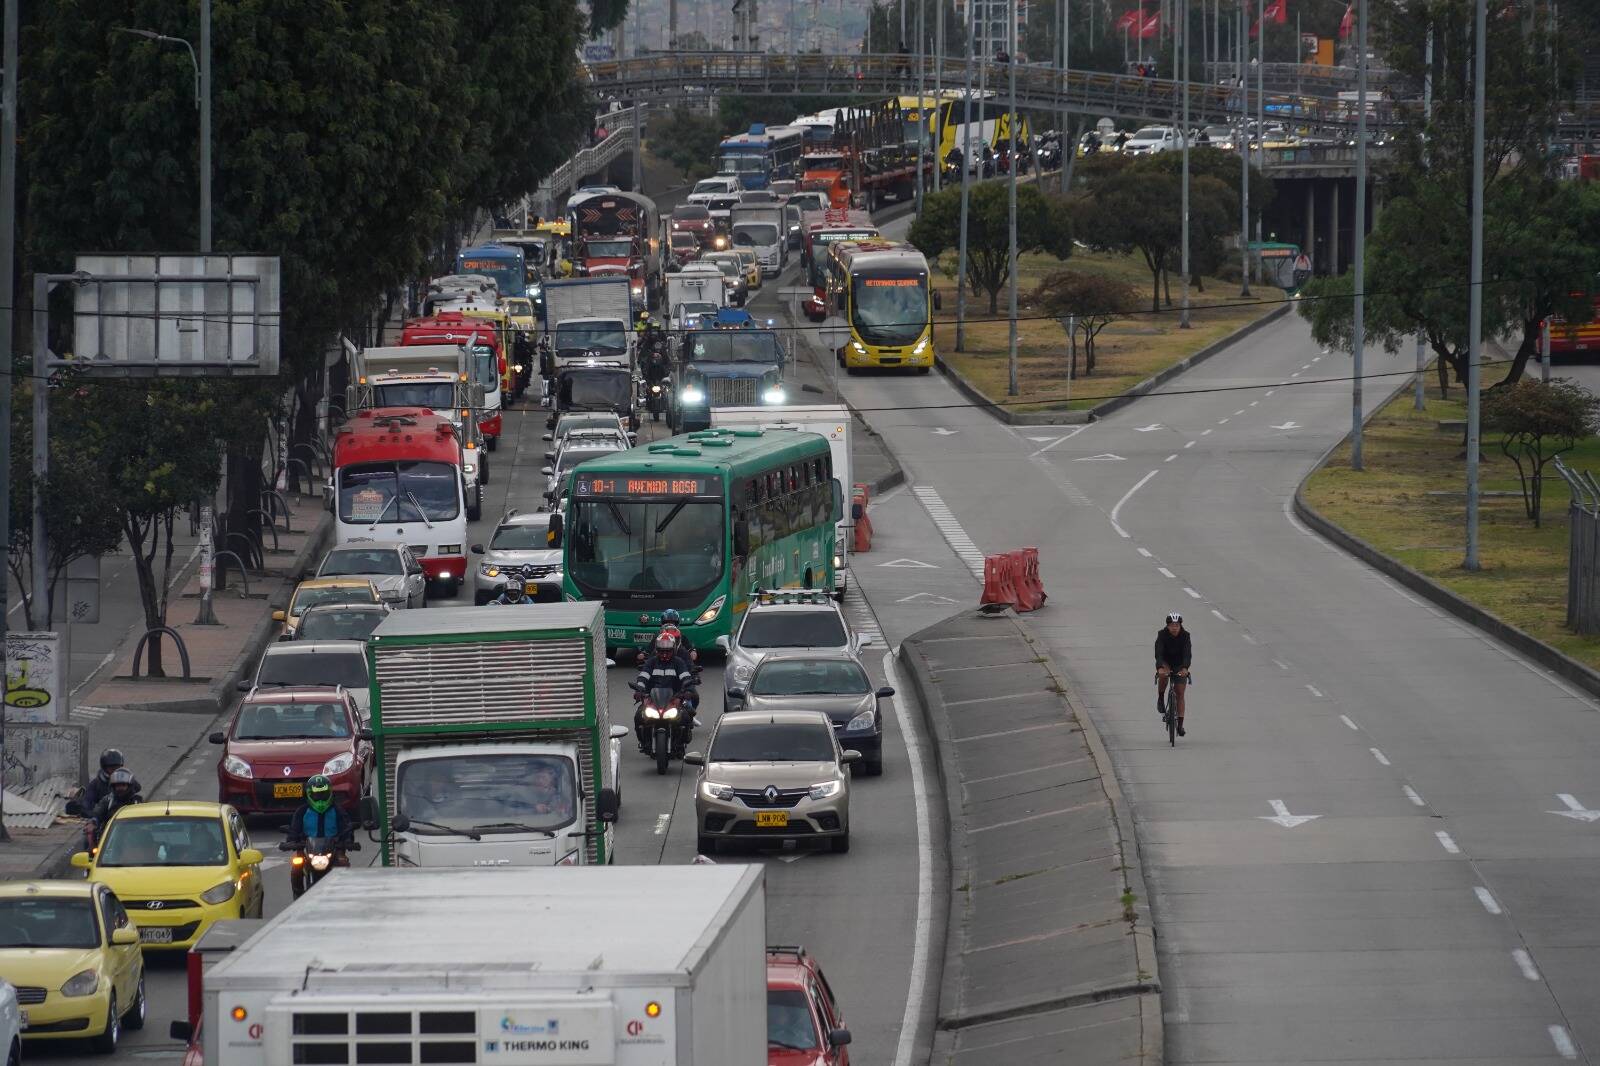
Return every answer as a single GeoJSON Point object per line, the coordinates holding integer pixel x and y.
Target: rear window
{"type": "Point", "coordinates": [792, 629]}
{"type": "Point", "coordinates": [690, 211]}
{"type": "Point", "coordinates": [321, 668]}
{"type": "Point", "coordinates": [808, 677]}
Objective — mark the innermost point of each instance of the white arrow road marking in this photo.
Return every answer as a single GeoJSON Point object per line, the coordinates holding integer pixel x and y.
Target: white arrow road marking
{"type": "Point", "coordinates": [1103, 457]}
{"type": "Point", "coordinates": [1152, 427]}
{"type": "Point", "coordinates": [910, 564]}
{"type": "Point", "coordinates": [1288, 425]}
{"type": "Point", "coordinates": [1281, 816]}
{"type": "Point", "coordinates": [1575, 810]}
{"type": "Point", "coordinates": [941, 431]}
{"type": "Point", "coordinates": [1043, 440]}
{"type": "Point", "coordinates": [794, 856]}
{"type": "Point", "coordinates": [926, 597]}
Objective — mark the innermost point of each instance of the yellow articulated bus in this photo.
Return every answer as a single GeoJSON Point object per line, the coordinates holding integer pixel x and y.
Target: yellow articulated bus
{"type": "Point", "coordinates": [943, 117]}
{"type": "Point", "coordinates": [882, 289]}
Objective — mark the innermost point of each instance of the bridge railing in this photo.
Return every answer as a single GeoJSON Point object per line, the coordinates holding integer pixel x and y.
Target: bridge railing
{"type": "Point", "coordinates": [591, 160]}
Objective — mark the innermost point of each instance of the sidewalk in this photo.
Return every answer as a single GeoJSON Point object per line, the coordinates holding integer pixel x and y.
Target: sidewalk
{"type": "Point", "coordinates": [157, 722]}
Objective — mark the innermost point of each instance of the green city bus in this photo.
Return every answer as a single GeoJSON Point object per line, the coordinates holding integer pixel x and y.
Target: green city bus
{"type": "Point", "coordinates": [699, 523]}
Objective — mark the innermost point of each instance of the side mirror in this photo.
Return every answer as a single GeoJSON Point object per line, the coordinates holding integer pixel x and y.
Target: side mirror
{"type": "Point", "coordinates": [251, 857]}
{"type": "Point", "coordinates": [400, 824]}
{"type": "Point", "coordinates": [938, 305]}
{"type": "Point", "coordinates": [734, 693]}
{"type": "Point", "coordinates": [884, 693]}
{"type": "Point", "coordinates": [218, 737]}
{"type": "Point", "coordinates": [367, 811]}
{"type": "Point", "coordinates": [557, 528]}
{"type": "Point", "coordinates": [618, 732]}
{"type": "Point", "coordinates": [850, 756]}
{"type": "Point", "coordinates": [180, 1031]}
{"type": "Point", "coordinates": [722, 642]}
{"type": "Point", "coordinates": [243, 685]}
{"type": "Point", "coordinates": [125, 937]}
{"type": "Point", "coordinates": [863, 641]}
{"type": "Point", "coordinates": [280, 616]}
{"type": "Point", "coordinates": [80, 859]}
{"type": "Point", "coordinates": [548, 436]}
{"type": "Point", "coordinates": [741, 538]}
{"type": "Point", "coordinates": [838, 1037]}
{"type": "Point", "coordinates": [607, 804]}
{"type": "Point", "coordinates": [366, 734]}
{"type": "Point", "coordinates": [694, 758]}
{"type": "Point", "coordinates": [477, 549]}
{"type": "Point", "coordinates": [856, 511]}
{"type": "Point", "coordinates": [547, 470]}
{"type": "Point", "coordinates": [838, 499]}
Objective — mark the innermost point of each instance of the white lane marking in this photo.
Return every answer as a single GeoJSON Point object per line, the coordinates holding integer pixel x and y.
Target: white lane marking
{"type": "Point", "coordinates": [1564, 1045]}
{"type": "Point", "coordinates": [1059, 440]}
{"type": "Point", "coordinates": [1288, 512]}
{"type": "Point", "coordinates": [1380, 756]}
{"type": "Point", "coordinates": [1269, 392]}
{"type": "Point", "coordinates": [101, 665]}
{"type": "Point", "coordinates": [1239, 412]}
{"type": "Point", "coordinates": [1254, 402]}
{"type": "Point", "coordinates": [1315, 691]}
{"type": "Point", "coordinates": [1126, 496]}
{"type": "Point", "coordinates": [1306, 367]}
{"type": "Point", "coordinates": [1205, 433]}
{"type": "Point", "coordinates": [1171, 457]}
{"type": "Point", "coordinates": [1411, 794]}
{"type": "Point", "coordinates": [1248, 637]}
{"type": "Point", "coordinates": [1165, 572]}
{"type": "Point", "coordinates": [1447, 843]}
{"type": "Point", "coordinates": [662, 821]}
{"type": "Point", "coordinates": [1190, 444]}
{"type": "Point", "coordinates": [1146, 553]}
{"type": "Point", "coordinates": [1295, 374]}
{"type": "Point", "coordinates": [1220, 615]}
{"type": "Point", "coordinates": [950, 529]}
{"type": "Point", "coordinates": [1486, 898]}
{"type": "Point", "coordinates": [1192, 593]}
{"type": "Point", "coordinates": [1524, 963]}
{"type": "Point", "coordinates": [1222, 421]}
{"type": "Point", "coordinates": [1281, 664]}
{"type": "Point", "coordinates": [924, 926]}
{"type": "Point", "coordinates": [1345, 718]}
{"type": "Point", "coordinates": [1316, 358]}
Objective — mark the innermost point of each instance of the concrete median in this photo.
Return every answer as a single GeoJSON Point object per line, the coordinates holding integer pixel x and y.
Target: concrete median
{"type": "Point", "coordinates": [1049, 950]}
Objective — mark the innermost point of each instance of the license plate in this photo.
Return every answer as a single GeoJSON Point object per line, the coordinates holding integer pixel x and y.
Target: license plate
{"type": "Point", "coordinates": [288, 790]}
{"type": "Point", "coordinates": [155, 934]}
{"type": "Point", "coordinates": [23, 1019]}
{"type": "Point", "coordinates": [616, 634]}
{"type": "Point", "coordinates": [772, 819]}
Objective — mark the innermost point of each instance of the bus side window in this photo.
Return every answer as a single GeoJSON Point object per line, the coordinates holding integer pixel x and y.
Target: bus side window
{"type": "Point", "coordinates": [838, 500]}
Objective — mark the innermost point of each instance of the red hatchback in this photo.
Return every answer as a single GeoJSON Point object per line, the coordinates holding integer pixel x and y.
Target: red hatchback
{"type": "Point", "coordinates": [280, 737]}
{"type": "Point", "coordinates": [693, 219]}
{"type": "Point", "coordinates": [804, 1027]}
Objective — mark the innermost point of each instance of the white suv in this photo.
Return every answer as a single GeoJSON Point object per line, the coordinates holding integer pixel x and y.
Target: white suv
{"type": "Point", "coordinates": [785, 621]}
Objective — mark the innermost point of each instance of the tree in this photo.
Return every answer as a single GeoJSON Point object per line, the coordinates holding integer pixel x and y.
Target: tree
{"type": "Point", "coordinates": [1538, 421]}
{"type": "Point", "coordinates": [688, 140]}
{"type": "Point", "coordinates": [1095, 301]}
{"type": "Point", "coordinates": [1043, 225]}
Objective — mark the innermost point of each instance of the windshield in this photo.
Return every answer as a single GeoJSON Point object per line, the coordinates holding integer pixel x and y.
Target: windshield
{"type": "Point", "coordinates": [889, 310]}
{"type": "Point", "coordinates": [48, 922]}
{"type": "Point", "coordinates": [618, 249]}
{"type": "Point", "coordinates": [168, 841]}
{"type": "Point", "coordinates": [594, 388]}
{"type": "Point", "coordinates": [758, 234]}
{"type": "Point", "coordinates": [800, 677]}
{"type": "Point", "coordinates": [337, 624]}
{"type": "Point", "coordinates": [506, 272]}
{"type": "Point", "coordinates": [789, 1022]}
{"type": "Point", "coordinates": [697, 308]}
{"type": "Point", "coordinates": [734, 346]}
{"type": "Point", "coordinates": [792, 629]}
{"type": "Point", "coordinates": [487, 793]}
{"type": "Point", "coordinates": [623, 545]}
{"type": "Point", "coordinates": [584, 336]}
{"type": "Point", "coordinates": [808, 202]}
{"type": "Point", "coordinates": [767, 741]}
{"type": "Point", "coordinates": [311, 597]}
{"type": "Point", "coordinates": [486, 366]}
{"type": "Point", "coordinates": [740, 164]}
{"type": "Point", "coordinates": [323, 669]}
{"type": "Point", "coordinates": [712, 185]}
{"type": "Point", "coordinates": [684, 241]}
{"type": "Point", "coordinates": [370, 493]}
{"type": "Point", "coordinates": [573, 456]}
{"type": "Point", "coordinates": [729, 266]}
{"type": "Point", "coordinates": [342, 561]}
{"type": "Point", "coordinates": [524, 536]}
{"type": "Point", "coordinates": [572, 423]}
{"type": "Point", "coordinates": [292, 721]}
{"type": "Point", "coordinates": [438, 395]}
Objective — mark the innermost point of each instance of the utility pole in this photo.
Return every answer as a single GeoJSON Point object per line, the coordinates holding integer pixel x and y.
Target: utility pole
{"type": "Point", "coordinates": [922, 97]}
{"type": "Point", "coordinates": [1011, 224]}
{"type": "Point", "coordinates": [966, 180]}
{"type": "Point", "coordinates": [1261, 106]}
{"type": "Point", "coordinates": [1068, 145]}
{"type": "Point", "coordinates": [1244, 162]}
{"type": "Point", "coordinates": [1358, 342]}
{"type": "Point", "coordinates": [8, 287]}
{"type": "Point", "coordinates": [205, 127]}
{"type": "Point", "coordinates": [1181, 43]}
{"type": "Point", "coordinates": [672, 25]}
{"type": "Point", "coordinates": [1475, 303]}
{"type": "Point", "coordinates": [1420, 401]}
{"type": "Point", "coordinates": [938, 92]}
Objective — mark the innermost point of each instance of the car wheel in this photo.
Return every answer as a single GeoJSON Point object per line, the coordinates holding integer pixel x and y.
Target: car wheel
{"type": "Point", "coordinates": [483, 470]}
{"type": "Point", "coordinates": [134, 1018]}
{"type": "Point", "coordinates": [874, 766]}
{"type": "Point", "coordinates": [14, 1056]}
{"type": "Point", "coordinates": [705, 845]}
{"type": "Point", "coordinates": [106, 1042]}
{"type": "Point", "coordinates": [841, 843]}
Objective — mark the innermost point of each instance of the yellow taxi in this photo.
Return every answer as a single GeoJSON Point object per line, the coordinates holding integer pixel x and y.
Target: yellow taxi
{"type": "Point", "coordinates": [178, 866]}
{"type": "Point", "coordinates": [73, 954]}
{"type": "Point", "coordinates": [319, 590]}
{"type": "Point", "coordinates": [751, 265]}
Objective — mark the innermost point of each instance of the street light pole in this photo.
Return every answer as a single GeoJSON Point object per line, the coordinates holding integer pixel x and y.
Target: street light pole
{"type": "Point", "coordinates": [938, 94]}
{"type": "Point", "coordinates": [1181, 41]}
{"type": "Point", "coordinates": [8, 234]}
{"type": "Point", "coordinates": [966, 176]}
{"type": "Point", "coordinates": [204, 67]}
{"type": "Point", "coordinates": [1358, 341]}
{"type": "Point", "coordinates": [1244, 163]}
{"type": "Point", "coordinates": [1475, 302]}
{"type": "Point", "coordinates": [1011, 225]}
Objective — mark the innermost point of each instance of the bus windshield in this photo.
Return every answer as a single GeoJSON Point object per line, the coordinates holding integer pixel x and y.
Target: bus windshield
{"type": "Point", "coordinates": [505, 270]}
{"type": "Point", "coordinates": [620, 546]}
{"type": "Point", "coordinates": [404, 491]}
{"type": "Point", "coordinates": [889, 310]}
{"type": "Point", "coordinates": [438, 395]}
{"type": "Point", "coordinates": [741, 164]}
{"type": "Point", "coordinates": [733, 346]}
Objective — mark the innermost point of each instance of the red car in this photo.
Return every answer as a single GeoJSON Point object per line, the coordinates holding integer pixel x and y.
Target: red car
{"type": "Point", "coordinates": [804, 1027]}
{"type": "Point", "coordinates": [280, 737]}
{"type": "Point", "coordinates": [685, 247]}
{"type": "Point", "coordinates": [696, 220]}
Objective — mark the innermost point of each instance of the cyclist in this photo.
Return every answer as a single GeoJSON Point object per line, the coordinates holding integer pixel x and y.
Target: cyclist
{"type": "Point", "coordinates": [1173, 654]}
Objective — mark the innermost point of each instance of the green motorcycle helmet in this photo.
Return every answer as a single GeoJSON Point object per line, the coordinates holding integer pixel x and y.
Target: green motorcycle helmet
{"type": "Point", "coordinates": [319, 794]}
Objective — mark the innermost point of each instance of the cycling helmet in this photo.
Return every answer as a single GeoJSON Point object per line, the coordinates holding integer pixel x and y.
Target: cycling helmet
{"type": "Point", "coordinates": [670, 617]}
{"type": "Point", "coordinates": [319, 793]}
{"type": "Point", "coordinates": [1174, 617]}
{"type": "Point", "coordinates": [111, 759]}
{"type": "Point", "coordinates": [122, 783]}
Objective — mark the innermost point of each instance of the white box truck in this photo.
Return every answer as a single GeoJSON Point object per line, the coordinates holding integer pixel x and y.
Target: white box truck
{"type": "Point", "coordinates": [764, 229]}
{"type": "Point", "coordinates": [509, 967]}
{"type": "Point", "coordinates": [588, 318]}
{"type": "Point", "coordinates": [831, 421]}
{"type": "Point", "coordinates": [696, 283]}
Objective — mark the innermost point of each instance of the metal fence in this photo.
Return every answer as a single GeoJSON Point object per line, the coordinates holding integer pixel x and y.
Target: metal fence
{"type": "Point", "coordinates": [1583, 553]}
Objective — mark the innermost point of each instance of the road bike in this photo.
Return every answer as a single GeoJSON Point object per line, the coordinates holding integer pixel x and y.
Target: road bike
{"type": "Point", "coordinates": [1169, 707]}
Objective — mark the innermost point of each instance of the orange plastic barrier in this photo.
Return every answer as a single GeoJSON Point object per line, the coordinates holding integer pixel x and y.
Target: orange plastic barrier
{"type": "Point", "coordinates": [998, 586]}
{"type": "Point", "coordinates": [1030, 589]}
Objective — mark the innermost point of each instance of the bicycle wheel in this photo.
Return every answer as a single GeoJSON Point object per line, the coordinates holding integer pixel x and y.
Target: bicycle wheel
{"type": "Point", "coordinates": [1172, 715]}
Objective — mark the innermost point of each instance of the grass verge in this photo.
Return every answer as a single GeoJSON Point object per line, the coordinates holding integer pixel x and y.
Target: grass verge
{"type": "Point", "coordinates": [1127, 352]}
{"type": "Point", "coordinates": [1410, 504]}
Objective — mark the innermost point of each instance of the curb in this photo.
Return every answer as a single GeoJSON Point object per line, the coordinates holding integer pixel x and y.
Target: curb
{"type": "Point", "coordinates": [1105, 407]}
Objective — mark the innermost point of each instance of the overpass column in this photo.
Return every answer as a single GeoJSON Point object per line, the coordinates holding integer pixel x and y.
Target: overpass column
{"type": "Point", "coordinates": [1333, 233]}
{"type": "Point", "coordinates": [1310, 248]}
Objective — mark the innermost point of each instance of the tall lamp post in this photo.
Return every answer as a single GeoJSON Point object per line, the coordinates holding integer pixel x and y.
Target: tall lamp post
{"type": "Point", "coordinates": [202, 102]}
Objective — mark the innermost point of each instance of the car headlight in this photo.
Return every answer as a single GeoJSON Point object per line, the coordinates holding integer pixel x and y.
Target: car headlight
{"type": "Point", "coordinates": [535, 290]}
{"type": "Point", "coordinates": [837, 562]}
{"type": "Point", "coordinates": [861, 723]}
{"type": "Point", "coordinates": [692, 395]}
{"type": "Point", "coordinates": [859, 347]}
{"type": "Point", "coordinates": [826, 789]}
{"type": "Point", "coordinates": [773, 395]}
{"type": "Point", "coordinates": [921, 345]}
{"type": "Point", "coordinates": [742, 672]}
{"type": "Point", "coordinates": [339, 763]}
{"type": "Point", "coordinates": [82, 983]}
{"type": "Point", "coordinates": [712, 790]}
{"type": "Point", "coordinates": [488, 570]}
{"type": "Point", "coordinates": [236, 766]}
{"type": "Point", "coordinates": [638, 290]}
{"type": "Point", "coordinates": [710, 613]}
{"type": "Point", "coordinates": [651, 712]}
{"type": "Point", "coordinates": [219, 893]}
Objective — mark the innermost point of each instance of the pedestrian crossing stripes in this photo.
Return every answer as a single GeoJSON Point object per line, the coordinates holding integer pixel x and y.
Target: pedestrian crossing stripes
{"type": "Point", "coordinates": [89, 713]}
{"type": "Point", "coordinates": [860, 617]}
{"type": "Point", "coordinates": [950, 529]}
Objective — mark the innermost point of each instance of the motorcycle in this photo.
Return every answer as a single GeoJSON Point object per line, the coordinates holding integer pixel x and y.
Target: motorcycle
{"type": "Point", "coordinates": [314, 859]}
{"type": "Point", "coordinates": [662, 723]}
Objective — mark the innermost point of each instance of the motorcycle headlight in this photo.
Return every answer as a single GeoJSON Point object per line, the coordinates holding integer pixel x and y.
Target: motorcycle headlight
{"type": "Point", "coordinates": [488, 570]}
{"type": "Point", "coordinates": [651, 712]}
{"type": "Point", "coordinates": [236, 766]}
{"type": "Point", "coordinates": [219, 893]}
{"type": "Point", "coordinates": [339, 763]}
{"type": "Point", "coordinates": [670, 714]}
{"type": "Point", "coordinates": [861, 723]}
{"type": "Point", "coordinates": [82, 983]}
{"type": "Point", "coordinates": [826, 790]}
{"type": "Point", "coordinates": [655, 388]}
{"type": "Point", "coordinates": [321, 862]}
{"type": "Point", "coordinates": [692, 395]}
{"type": "Point", "coordinates": [710, 613]}
{"type": "Point", "coordinates": [712, 790]}
{"type": "Point", "coordinates": [859, 347]}
{"type": "Point", "coordinates": [773, 395]}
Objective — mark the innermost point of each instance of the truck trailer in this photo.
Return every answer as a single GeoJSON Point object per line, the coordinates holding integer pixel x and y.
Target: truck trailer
{"type": "Point", "coordinates": [511, 967]}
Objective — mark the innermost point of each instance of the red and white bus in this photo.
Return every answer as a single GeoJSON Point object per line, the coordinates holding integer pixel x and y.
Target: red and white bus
{"type": "Point", "coordinates": [397, 479]}
{"type": "Point", "coordinates": [485, 355]}
{"type": "Point", "coordinates": [818, 230]}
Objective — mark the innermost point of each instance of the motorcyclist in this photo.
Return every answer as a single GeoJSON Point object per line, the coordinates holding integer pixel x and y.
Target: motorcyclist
{"type": "Point", "coordinates": [318, 816]}
{"type": "Point", "coordinates": [671, 621]}
{"type": "Point", "coordinates": [513, 593]}
{"type": "Point", "coordinates": [99, 786]}
{"type": "Point", "coordinates": [122, 791]}
{"type": "Point", "coordinates": [669, 668]}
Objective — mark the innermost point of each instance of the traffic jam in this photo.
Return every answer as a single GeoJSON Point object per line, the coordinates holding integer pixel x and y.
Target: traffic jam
{"type": "Point", "coordinates": [458, 698]}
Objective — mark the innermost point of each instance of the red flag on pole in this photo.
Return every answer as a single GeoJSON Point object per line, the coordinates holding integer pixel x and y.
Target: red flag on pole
{"type": "Point", "coordinates": [1151, 27]}
{"type": "Point", "coordinates": [1278, 11]}
{"type": "Point", "coordinates": [1128, 21]}
{"type": "Point", "coordinates": [1348, 23]}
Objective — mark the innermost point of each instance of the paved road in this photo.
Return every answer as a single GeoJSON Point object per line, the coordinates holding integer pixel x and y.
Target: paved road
{"type": "Point", "coordinates": [1436, 908]}
{"type": "Point", "coordinates": [833, 904]}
